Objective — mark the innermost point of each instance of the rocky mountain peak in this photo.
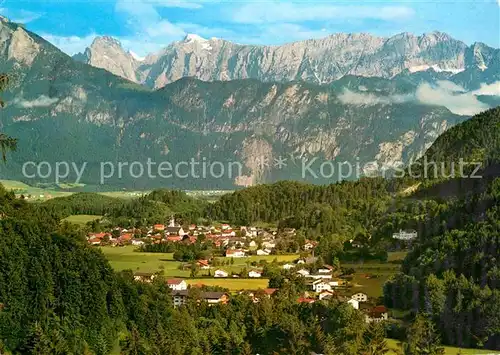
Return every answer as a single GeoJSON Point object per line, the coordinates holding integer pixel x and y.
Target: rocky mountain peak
{"type": "Point", "coordinates": [319, 61]}
{"type": "Point", "coordinates": [107, 52]}
{"type": "Point", "coordinates": [190, 37]}
{"type": "Point", "coordinates": [106, 41]}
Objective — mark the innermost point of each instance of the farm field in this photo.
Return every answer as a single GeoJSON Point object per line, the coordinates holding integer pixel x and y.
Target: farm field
{"type": "Point", "coordinates": [81, 219]}
{"type": "Point", "coordinates": [268, 258]}
{"type": "Point", "coordinates": [368, 278]}
{"type": "Point", "coordinates": [124, 258]}
{"type": "Point", "coordinates": [372, 286]}
{"type": "Point", "coordinates": [232, 284]}
{"type": "Point", "coordinates": [371, 276]}
{"type": "Point", "coordinates": [37, 193]}
{"type": "Point", "coordinates": [393, 344]}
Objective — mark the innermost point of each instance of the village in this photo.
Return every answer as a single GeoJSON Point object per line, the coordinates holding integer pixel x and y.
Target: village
{"type": "Point", "coordinates": [323, 282]}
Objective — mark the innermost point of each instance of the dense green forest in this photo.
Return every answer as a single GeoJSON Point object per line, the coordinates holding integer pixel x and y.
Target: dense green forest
{"type": "Point", "coordinates": [453, 275]}
{"type": "Point", "coordinates": [60, 296]}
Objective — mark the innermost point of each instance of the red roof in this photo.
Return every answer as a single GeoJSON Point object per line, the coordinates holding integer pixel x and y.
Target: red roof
{"type": "Point", "coordinates": [233, 251]}
{"type": "Point", "coordinates": [270, 291]}
{"type": "Point", "coordinates": [98, 235]}
{"type": "Point", "coordinates": [174, 238]}
{"type": "Point", "coordinates": [159, 227]}
{"type": "Point", "coordinates": [306, 300]}
{"type": "Point", "coordinates": [174, 281]}
{"type": "Point", "coordinates": [203, 262]}
{"type": "Point", "coordinates": [379, 309]}
{"type": "Point", "coordinates": [126, 236]}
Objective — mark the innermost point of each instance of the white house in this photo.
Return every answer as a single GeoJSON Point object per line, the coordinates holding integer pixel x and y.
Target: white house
{"type": "Point", "coordinates": [303, 272]}
{"type": "Point", "coordinates": [405, 235]}
{"type": "Point", "coordinates": [269, 245]}
{"type": "Point", "coordinates": [177, 284]}
{"type": "Point", "coordinates": [250, 232]}
{"type": "Point", "coordinates": [255, 273]}
{"type": "Point", "coordinates": [228, 233]}
{"type": "Point", "coordinates": [288, 266]}
{"type": "Point", "coordinates": [144, 276]}
{"type": "Point", "coordinates": [325, 294]}
{"type": "Point", "coordinates": [235, 253]}
{"type": "Point", "coordinates": [325, 270]}
{"type": "Point", "coordinates": [320, 276]}
{"type": "Point", "coordinates": [137, 242]}
{"type": "Point", "coordinates": [220, 273]}
{"type": "Point", "coordinates": [377, 314]}
{"type": "Point", "coordinates": [263, 252]}
{"type": "Point", "coordinates": [320, 286]}
{"type": "Point", "coordinates": [353, 303]}
{"type": "Point", "coordinates": [360, 297]}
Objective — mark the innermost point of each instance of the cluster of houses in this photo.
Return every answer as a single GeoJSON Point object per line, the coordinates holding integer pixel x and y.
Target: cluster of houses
{"type": "Point", "coordinates": [359, 300]}
{"type": "Point", "coordinates": [323, 284]}
{"type": "Point", "coordinates": [238, 240]}
{"type": "Point", "coordinates": [180, 291]}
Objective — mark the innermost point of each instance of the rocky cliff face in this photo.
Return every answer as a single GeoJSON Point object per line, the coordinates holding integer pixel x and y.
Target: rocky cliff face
{"type": "Point", "coordinates": [107, 53]}
{"type": "Point", "coordinates": [319, 61]}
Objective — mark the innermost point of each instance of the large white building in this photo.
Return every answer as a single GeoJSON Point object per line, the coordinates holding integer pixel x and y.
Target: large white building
{"type": "Point", "coordinates": [177, 284]}
{"type": "Point", "coordinates": [235, 253]}
{"type": "Point", "coordinates": [405, 235]}
{"type": "Point", "coordinates": [255, 273]}
{"type": "Point", "coordinates": [320, 286]}
{"type": "Point", "coordinates": [360, 297]}
{"type": "Point", "coordinates": [353, 303]}
{"type": "Point", "coordinates": [220, 273]}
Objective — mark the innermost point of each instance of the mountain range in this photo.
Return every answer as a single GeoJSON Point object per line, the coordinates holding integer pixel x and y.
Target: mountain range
{"type": "Point", "coordinates": [318, 61]}
{"type": "Point", "coordinates": [268, 108]}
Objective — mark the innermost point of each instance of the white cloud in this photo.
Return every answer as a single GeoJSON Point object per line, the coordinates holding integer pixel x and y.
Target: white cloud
{"type": "Point", "coordinates": [489, 90]}
{"type": "Point", "coordinates": [70, 44]}
{"type": "Point", "coordinates": [179, 3]}
{"type": "Point", "coordinates": [151, 31]}
{"type": "Point", "coordinates": [41, 101]}
{"type": "Point", "coordinates": [444, 93]}
{"type": "Point", "coordinates": [452, 96]}
{"type": "Point", "coordinates": [20, 16]}
{"type": "Point", "coordinates": [164, 28]}
{"type": "Point", "coordinates": [277, 12]}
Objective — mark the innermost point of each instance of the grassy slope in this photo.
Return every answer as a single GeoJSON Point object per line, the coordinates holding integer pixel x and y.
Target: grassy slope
{"type": "Point", "coordinates": [123, 258]}
{"type": "Point", "coordinates": [232, 284]}
{"type": "Point", "coordinates": [81, 219]}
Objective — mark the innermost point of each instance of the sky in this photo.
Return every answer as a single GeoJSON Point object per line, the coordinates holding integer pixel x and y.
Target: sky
{"type": "Point", "coordinates": [146, 26]}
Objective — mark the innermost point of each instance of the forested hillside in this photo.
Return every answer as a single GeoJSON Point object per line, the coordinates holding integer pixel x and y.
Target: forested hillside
{"type": "Point", "coordinates": [155, 207]}
{"type": "Point", "coordinates": [453, 275]}
{"type": "Point", "coordinates": [60, 296]}
{"type": "Point", "coordinates": [475, 140]}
